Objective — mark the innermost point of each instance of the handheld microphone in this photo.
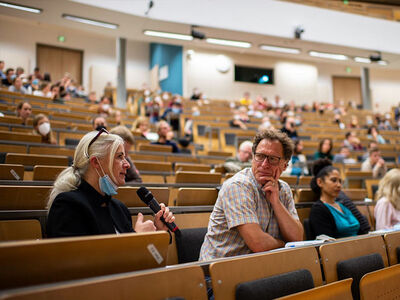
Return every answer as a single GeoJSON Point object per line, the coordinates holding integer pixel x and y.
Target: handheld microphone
{"type": "Point", "coordinates": [147, 197]}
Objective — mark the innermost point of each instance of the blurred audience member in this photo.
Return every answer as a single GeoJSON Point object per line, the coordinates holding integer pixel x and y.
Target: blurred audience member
{"type": "Point", "coordinates": [241, 160]}
{"type": "Point", "coordinates": [240, 118]}
{"type": "Point", "coordinates": [36, 73]}
{"type": "Point", "coordinates": [343, 156]}
{"type": "Point", "coordinates": [24, 111]}
{"type": "Point", "coordinates": [55, 93]}
{"type": "Point", "coordinates": [374, 163]}
{"type": "Point", "coordinates": [373, 134]}
{"type": "Point", "coordinates": [324, 150]}
{"type": "Point", "coordinates": [92, 98]}
{"type": "Point", "coordinates": [8, 81]}
{"type": "Point", "coordinates": [44, 90]}
{"type": "Point", "coordinates": [165, 135]}
{"type": "Point", "coordinates": [41, 126]}
{"type": "Point", "coordinates": [19, 71]}
{"type": "Point", "coordinates": [354, 122]}
{"type": "Point", "coordinates": [245, 101]}
{"type": "Point", "coordinates": [105, 106]}
{"type": "Point", "coordinates": [289, 128]}
{"type": "Point", "coordinates": [2, 75]}
{"type": "Point", "coordinates": [196, 94]}
{"type": "Point", "coordinates": [132, 174]}
{"type": "Point", "coordinates": [142, 125]}
{"type": "Point", "coordinates": [278, 103]}
{"type": "Point", "coordinates": [99, 122]}
{"type": "Point", "coordinates": [371, 145]}
{"type": "Point", "coordinates": [387, 208]}
{"type": "Point", "coordinates": [352, 141]}
{"type": "Point", "coordinates": [17, 86]}
{"type": "Point", "coordinates": [297, 165]}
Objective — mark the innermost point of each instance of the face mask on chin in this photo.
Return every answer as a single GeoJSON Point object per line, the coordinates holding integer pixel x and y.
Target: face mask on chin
{"type": "Point", "coordinates": [107, 186]}
{"type": "Point", "coordinates": [100, 127]}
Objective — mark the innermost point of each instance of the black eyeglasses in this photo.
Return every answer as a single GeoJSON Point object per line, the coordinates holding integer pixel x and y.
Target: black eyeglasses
{"type": "Point", "coordinates": [272, 160]}
{"type": "Point", "coordinates": [97, 136]}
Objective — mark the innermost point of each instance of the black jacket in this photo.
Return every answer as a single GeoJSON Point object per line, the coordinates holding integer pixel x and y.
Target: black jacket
{"type": "Point", "coordinates": [322, 221]}
{"type": "Point", "coordinates": [86, 212]}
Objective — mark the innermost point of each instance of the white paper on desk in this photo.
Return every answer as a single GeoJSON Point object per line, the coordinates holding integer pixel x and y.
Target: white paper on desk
{"type": "Point", "coordinates": [304, 243]}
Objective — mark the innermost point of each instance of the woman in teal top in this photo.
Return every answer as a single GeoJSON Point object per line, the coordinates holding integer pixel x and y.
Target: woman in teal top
{"type": "Point", "coordinates": [328, 216]}
{"type": "Point", "coordinates": [324, 150]}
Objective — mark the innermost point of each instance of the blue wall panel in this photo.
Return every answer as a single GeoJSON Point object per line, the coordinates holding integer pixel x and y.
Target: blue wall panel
{"type": "Point", "coordinates": [171, 56]}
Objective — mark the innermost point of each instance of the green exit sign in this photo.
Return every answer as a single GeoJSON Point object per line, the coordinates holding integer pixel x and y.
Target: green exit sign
{"type": "Point", "coordinates": [61, 38]}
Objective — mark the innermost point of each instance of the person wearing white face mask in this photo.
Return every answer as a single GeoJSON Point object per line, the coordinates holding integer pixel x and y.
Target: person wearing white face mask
{"type": "Point", "coordinates": [81, 202]}
{"type": "Point", "coordinates": [41, 126]}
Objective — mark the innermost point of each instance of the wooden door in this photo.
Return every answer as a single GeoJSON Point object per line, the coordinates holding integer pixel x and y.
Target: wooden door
{"type": "Point", "coordinates": [347, 89]}
{"type": "Point", "coordinates": [57, 61]}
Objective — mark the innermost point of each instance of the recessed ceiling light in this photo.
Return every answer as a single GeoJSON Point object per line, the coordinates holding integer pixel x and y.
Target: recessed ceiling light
{"type": "Point", "coordinates": [228, 43]}
{"type": "Point", "coordinates": [364, 60]}
{"type": "Point", "coordinates": [328, 55]}
{"type": "Point", "coordinates": [383, 63]}
{"type": "Point", "coordinates": [169, 35]}
{"type": "Point", "coordinates": [280, 49]}
{"type": "Point", "coordinates": [90, 21]}
{"type": "Point", "coordinates": [21, 7]}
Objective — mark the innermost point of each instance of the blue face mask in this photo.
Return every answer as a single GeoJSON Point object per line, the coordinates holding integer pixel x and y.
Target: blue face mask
{"type": "Point", "coordinates": [176, 110]}
{"type": "Point", "coordinates": [107, 186]}
{"type": "Point", "coordinates": [35, 81]}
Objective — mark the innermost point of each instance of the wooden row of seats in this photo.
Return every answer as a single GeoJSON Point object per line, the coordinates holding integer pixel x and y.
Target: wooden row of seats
{"type": "Point", "coordinates": [55, 261]}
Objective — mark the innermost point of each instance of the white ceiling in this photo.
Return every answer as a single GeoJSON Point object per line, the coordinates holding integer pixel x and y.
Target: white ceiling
{"type": "Point", "coordinates": [255, 21]}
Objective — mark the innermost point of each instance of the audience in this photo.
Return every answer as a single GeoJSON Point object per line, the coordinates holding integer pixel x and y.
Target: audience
{"type": "Point", "coordinates": [328, 216]}
{"type": "Point", "coordinates": [104, 107]}
{"type": "Point", "coordinates": [374, 163]}
{"type": "Point", "coordinates": [352, 141]}
{"type": "Point", "coordinates": [297, 165]}
{"type": "Point", "coordinates": [142, 126]}
{"type": "Point", "coordinates": [240, 118]}
{"type": "Point", "coordinates": [245, 101]}
{"type": "Point", "coordinates": [132, 174]}
{"type": "Point", "coordinates": [324, 150]}
{"type": "Point", "coordinates": [24, 111]}
{"type": "Point", "coordinates": [81, 202]}
{"type": "Point", "coordinates": [165, 135]}
{"type": "Point", "coordinates": [41, 126]}
{"type": "Point", "coordinates": [44, 90]}
{"type": "Point", "coordinates": [289, 128]}
{"type": "Point", "coordinates": [241, 160]}
{"type": "Point", "coordinates": [2, 75]}
{"type": "Point", "coordinates": [387, 208]}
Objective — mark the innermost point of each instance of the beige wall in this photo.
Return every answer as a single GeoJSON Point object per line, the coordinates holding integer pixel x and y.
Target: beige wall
{"type": "Point", "coordinates": [303, 82]}
{"type": "Point", "coordinates": [18, 40]}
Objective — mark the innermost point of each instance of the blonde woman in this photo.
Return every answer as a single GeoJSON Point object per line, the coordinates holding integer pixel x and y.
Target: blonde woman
{"type": "Point", "coordinates": [81, 202]}
{"type": "Point", "coordinates": [387, 209]}
{"type": "Point", "coordinates": [41, 126]}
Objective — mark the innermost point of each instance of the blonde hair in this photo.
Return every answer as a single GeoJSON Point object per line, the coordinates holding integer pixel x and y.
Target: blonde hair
{"type": "Point", "coordinates": [70, 178]}
{"type": "Point", "coordinates": [140, 120]}
{"type": "Point", "coordinates": [389, 187]}
{"type": "Point", "coordinates": [124, 133]}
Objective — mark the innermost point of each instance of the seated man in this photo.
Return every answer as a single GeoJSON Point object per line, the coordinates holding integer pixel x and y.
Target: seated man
{"type": "Point", "coordinates": [374, 163]}
{"type": "Point", "coordinates": [255, 211]}
{"type": "Point", "coordinates": [241, 160]}
{"type": "Point", "coordinates": [165, 136]}
{"type": "Point", "coordinates": [343, 156]}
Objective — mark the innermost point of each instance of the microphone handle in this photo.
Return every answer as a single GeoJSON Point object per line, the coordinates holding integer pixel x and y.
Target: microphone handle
{"type": "Point", "coordinates": [155, 207]}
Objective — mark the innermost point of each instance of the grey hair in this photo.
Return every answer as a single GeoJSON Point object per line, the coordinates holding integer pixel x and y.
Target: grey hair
{"type": "Point", "coordinates": [70, 178]}
{"type": "Point", "coordinates": [245, 144]}
{"type": "Point", "coordinates": [275, 135]}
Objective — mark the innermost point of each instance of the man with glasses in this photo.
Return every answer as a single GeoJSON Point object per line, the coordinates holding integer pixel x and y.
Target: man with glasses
{"type": "Point", "coordinates": [255, 210]}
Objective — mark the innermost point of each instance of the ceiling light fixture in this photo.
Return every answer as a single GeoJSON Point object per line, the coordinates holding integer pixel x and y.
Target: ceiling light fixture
{"type": "Point", "coordinates": [21, 7]}
{"type": "Point", "coordinates": [328, 55]}
{"type": "Point", "coordinates": [168, 35]}
{"type": "Point", "coordinates": [280, 49]}
{"type": "Point", "coordinates": [228, 43]}
{"type": "Point", "coordinates": [90, 21]}
{"type": "Point", "coordinates": [363, 60]}
{"type": "Point", "coordinates": [383, 63]}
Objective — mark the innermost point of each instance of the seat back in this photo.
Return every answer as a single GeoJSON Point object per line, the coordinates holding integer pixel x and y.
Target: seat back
{"type": "Point", "coordinates": [14, 197]}
{"type": "Point", "coordinates": [129, 197]}
{"type": "Point", "coordinates": [11, 172]}
{"type": "Point", "coordinates": [49, 173]}
{"type": "Point", "coordinates": [36, 159]}
{"type": "Point", "coordinates": [16, 230]}
{"type": "Point", "coordinates": [382, 284]}
{"type": "Point", "coordinates": [192, 167]}
{"type": "Point", "coordinates": [356, 194]}
{"type": "Point", "coordinates": [197, 177]}
{"type": "Point", "coordinates": [333, 253]}
{"type": "Point", "coordinates": [53, 260]}
{"type": "Point", "coordinates": [188, 244]}
{"type": "Point", "coordinates": [155, 148]}
{"type": "Point", "coordinates": [226, 274]}
{"type": "Point", "coordinates": [392, 241]}
{"type": "Point", "coordinates": [196, 196]}
{"type": "Point", "coordinates": [157, 166]}
{"type": "Point", "coordinates": [339, 290]}
{"type": "Point", "coordinates": [179, 282]}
